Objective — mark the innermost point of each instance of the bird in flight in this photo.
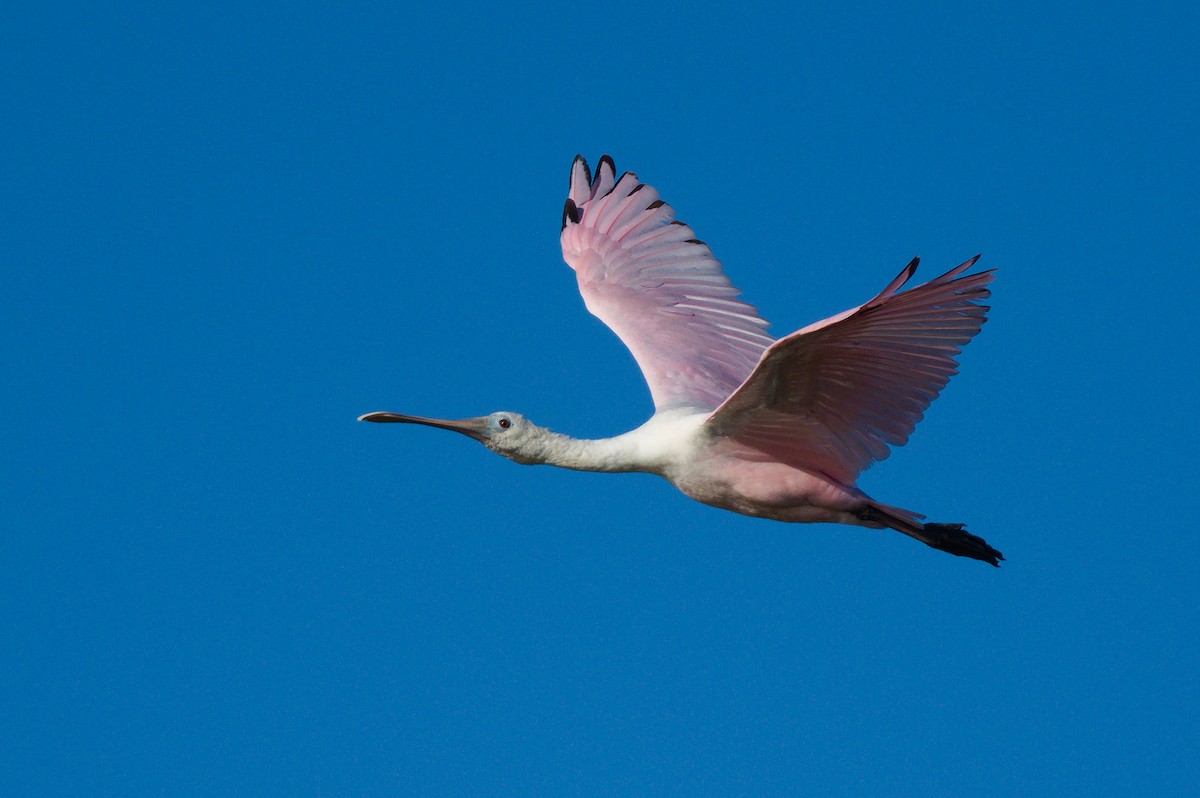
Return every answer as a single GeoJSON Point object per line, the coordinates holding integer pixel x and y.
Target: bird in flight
{"type": "Point", "coordinates": [769, 428]}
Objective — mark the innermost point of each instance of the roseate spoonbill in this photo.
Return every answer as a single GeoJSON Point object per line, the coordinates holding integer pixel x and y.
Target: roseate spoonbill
{"type": "Point", "coordinates": [770, 428]}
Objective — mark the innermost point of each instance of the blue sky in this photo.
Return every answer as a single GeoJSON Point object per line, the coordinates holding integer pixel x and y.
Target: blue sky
{"type": "Point", "coordinates": [229, 231]}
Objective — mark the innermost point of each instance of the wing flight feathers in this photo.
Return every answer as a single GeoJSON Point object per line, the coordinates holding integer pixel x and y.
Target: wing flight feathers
{"type": "Point", "coordinates": [659, 288]}
{"type": "Point", "coordinates": [832, 397]}
{"type": "Point", "coordinates": [835, 395]}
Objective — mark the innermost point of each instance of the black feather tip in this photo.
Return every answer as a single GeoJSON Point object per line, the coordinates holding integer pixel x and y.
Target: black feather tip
{"type": "Point", "coordinates": [570, 213]}
{"type": "Point", "coordinates": [606, 159]}
{"type": "Point", "coordinates": [587, 170]}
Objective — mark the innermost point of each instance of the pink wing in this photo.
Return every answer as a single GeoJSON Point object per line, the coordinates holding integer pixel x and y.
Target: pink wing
{"type": "Point", "coordinates": [658, 288]}
{"type": "Point", "coordinates": [833, 396]}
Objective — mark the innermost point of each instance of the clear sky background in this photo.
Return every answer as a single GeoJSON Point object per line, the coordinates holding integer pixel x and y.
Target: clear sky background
{"type": "Point", "coordinates": [226, 232]}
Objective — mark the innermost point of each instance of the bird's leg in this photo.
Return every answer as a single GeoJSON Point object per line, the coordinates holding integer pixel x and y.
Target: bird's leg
{"type": "Point", "coordinates": [952, 538]}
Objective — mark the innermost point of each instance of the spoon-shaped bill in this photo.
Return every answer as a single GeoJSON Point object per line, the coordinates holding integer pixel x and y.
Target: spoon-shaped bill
{"type": "Point", "coordinates": [471, 427]}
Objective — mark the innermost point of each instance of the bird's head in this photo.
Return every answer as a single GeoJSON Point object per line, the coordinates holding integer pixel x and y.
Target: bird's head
{"type": "Point", "coordinates": [508, 434]}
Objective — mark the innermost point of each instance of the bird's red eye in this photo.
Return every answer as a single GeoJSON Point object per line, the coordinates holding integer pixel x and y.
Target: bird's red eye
{"type": "Point", "coordinates": [504, 423]}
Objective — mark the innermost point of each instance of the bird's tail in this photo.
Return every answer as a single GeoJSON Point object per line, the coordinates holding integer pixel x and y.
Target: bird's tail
{"type": "Point", "coordinates": [952, 538]}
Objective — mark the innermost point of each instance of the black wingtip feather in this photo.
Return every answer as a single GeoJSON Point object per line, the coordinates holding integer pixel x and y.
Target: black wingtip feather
{"type": "Point", "coordinates": [570, 213]}
{"type": "Point", "coordinates": [606, 159]}
{"type": "Point", "coordinates": [587, 170]}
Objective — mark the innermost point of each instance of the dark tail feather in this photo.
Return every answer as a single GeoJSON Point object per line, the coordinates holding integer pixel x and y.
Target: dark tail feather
{"type": "Point", "coordinates": [952, 538]}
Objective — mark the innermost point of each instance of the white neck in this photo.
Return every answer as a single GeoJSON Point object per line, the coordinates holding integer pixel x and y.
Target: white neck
{"type": "Point", "coordinates": [650, 448]}
{"type": "Point", "coordinates": [604, 454]}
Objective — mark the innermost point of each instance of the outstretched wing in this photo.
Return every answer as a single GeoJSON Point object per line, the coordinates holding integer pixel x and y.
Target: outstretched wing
{"type": "Point", "coordinates": [659, 288]}
{"type": "Point", "coordinates": [834, 396]}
